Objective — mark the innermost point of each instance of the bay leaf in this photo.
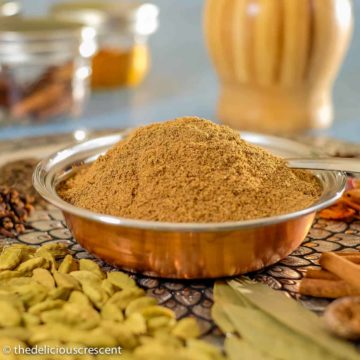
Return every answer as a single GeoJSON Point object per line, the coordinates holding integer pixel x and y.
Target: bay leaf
{"type": "Point", "coordinates": [221, 319]}
{"type": "Point", "coordinates": [238, 349]}
{"type": "Point", "coordinates": [225, 293]}
{"type": "Point", "coordinates": [271, 337]}
{"type": "Point", "coordinates": [292, 314]}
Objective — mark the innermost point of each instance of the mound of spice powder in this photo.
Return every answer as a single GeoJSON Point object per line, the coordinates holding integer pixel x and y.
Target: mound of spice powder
{"type": "Point", "coordinates": [190, 170]}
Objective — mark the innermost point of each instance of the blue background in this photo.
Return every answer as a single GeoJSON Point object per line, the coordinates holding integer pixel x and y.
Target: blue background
{"type": "Point", "coordinates": [182, 81]}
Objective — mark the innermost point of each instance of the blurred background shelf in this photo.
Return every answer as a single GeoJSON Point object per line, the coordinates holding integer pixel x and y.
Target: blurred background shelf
{"type": "Point", "coordinates": [182, 81]}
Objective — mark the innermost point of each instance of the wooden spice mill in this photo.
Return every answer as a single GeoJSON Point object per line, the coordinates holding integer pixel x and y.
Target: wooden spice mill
{"type": "Point", "coordinates": [277, 60]}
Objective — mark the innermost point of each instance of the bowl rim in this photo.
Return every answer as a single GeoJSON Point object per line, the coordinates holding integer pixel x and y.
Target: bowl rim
{"type": "Point", "coordinates": [48, 192]}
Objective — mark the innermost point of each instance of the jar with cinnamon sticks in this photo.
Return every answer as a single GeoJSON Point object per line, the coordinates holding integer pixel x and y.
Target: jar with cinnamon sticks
{"type": "Point", "coordinates": [44, 69]}
{"type": "Point", "coordinates": [122, 31]}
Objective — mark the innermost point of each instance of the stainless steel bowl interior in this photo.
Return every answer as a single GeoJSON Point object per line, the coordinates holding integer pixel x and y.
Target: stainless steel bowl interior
{"type": "Point", "coordinates": [54, 169]}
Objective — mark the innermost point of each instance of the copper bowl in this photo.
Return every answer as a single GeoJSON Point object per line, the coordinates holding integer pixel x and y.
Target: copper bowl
{"type": "Point", "coordinates": [184, 250]}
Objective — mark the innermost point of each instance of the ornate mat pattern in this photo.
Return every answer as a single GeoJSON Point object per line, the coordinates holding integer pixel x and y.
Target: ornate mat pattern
{"type": "Point", "coordinates": [189, 298]}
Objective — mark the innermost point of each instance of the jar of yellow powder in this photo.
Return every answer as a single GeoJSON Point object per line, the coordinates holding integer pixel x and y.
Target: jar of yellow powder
{"type": "Point", "coordinates": [122, 28]}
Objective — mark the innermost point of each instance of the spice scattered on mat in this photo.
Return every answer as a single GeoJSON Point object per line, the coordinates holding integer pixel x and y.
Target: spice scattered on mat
{"type": "Point", "coordinates": [14, 211]}
{"type": "Point", "coordinates": [48, 298]}
{"type": "Point", "coordinates": [18, 174]}
{"type": "Point", "coordinates": [190, 170]}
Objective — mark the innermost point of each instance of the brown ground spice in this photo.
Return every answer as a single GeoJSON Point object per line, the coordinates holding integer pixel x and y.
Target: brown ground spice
{"type": "Point", "coordinates": [190, 170]}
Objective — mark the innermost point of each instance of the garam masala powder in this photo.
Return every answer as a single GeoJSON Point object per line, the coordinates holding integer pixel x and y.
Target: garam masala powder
{"type": "Point", "coordinates": [190, 170]}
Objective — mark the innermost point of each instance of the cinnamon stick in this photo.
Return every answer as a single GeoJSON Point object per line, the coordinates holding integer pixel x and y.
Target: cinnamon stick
{"type": "Point", "coordinates": [342, 267]}
{"type": "Point", "coordinates": [349, 253]}
{"type": "Point", "coordinates": [351, 256]}
{"type": "Point", "coordinates": [38, 100]}
{"type": "Point", "coordinates": [326, 288]}
{"type": "Point", "coordinates": [56, 109]}
{"type": "Point", "coordinates": [353, 259]}
{"type": "Point", "coordinates": [63, 73]}
{"type": "Point", "coordinates": [47, 96]}
{"type": "Point", "coordinates": [320, 274]}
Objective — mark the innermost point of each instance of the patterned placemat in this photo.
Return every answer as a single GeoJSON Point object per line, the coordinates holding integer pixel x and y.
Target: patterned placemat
{"type": "Point", "coordinates": [194, 298]}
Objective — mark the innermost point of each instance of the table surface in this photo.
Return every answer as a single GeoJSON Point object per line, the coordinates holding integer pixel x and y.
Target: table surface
{"type": "Point", "coordinates": [182, 81]}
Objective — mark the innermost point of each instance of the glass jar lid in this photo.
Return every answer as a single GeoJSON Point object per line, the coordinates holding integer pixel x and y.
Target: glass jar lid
{"type": "Point", "coordinates": [107, 16]}
{"type": "Point", "coordinates": [9, 8]}
{"type": "Point", "coordinates": [25, 39]}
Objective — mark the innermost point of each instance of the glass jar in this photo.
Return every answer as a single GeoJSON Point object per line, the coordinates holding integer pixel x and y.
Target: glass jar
{"type": "Point", "coordinates": [9, 8]}
{"type": "Point", "coordinates": [122, 29]}
{"type": "Point", "coordinates": [44, 68]}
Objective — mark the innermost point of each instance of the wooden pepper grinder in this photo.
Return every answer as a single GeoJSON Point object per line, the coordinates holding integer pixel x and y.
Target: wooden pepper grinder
{"type": "Point", "coordinates": [277, 60]}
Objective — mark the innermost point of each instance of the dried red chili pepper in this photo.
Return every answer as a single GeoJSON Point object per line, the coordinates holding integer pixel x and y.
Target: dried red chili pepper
{"type": "Point", "coordinates": [338, 211]}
